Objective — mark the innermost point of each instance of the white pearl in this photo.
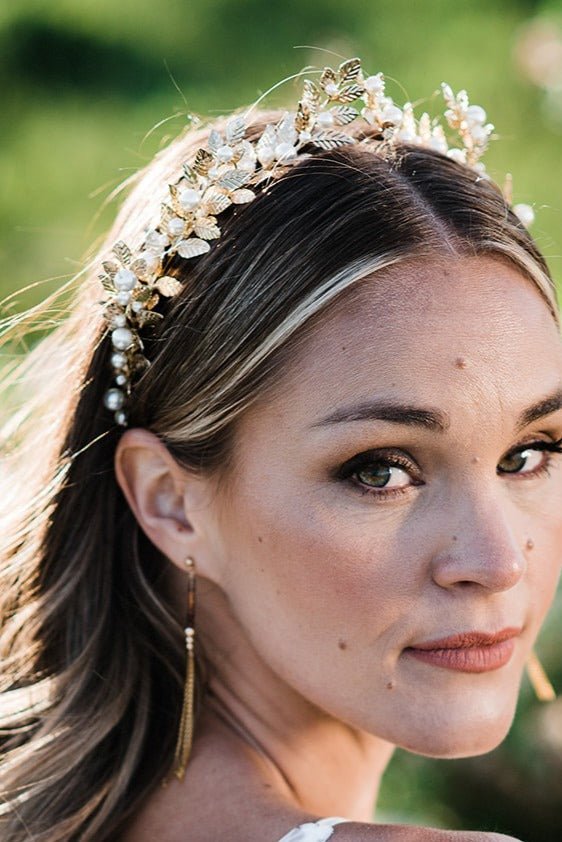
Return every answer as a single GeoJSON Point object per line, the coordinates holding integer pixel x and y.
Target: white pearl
{"type": "Point", "coordinates": [122, 338]}
{"type": "Point", "coordinates": [123, 297]}
{"type": "Point", "coordinates": [152, 260]}
{"type": "Point", "coordinates": [305, 136]}
{"type": "Point", "coordinates": [374, 84]}
{"type": "Point", "coordinates": [176, 226]}
{"type": "Point", "coordinates": [121, 379]}
{"type": "Point", "coordinates": [121, 418]}
{"type": "Point", "coordinates": [392, 114]}
{"type": "Point", "coordinates": [331, 89]}
{"type": "Point", "coordinates": [137, 306]}
{"type": "Point", "coordinates": [118, 360]}
{"type": "Point", "coordinates": [189, 199]}
{"type": "Point", "coordinates": [114, 399]}
{"type": "Point", "coordinates": [156, 242]}
{"type": "Point", "coordinates": [284, 151]}
{"type": "Point", "coordinates": [475, 114]}
{"type": "Point", "coordinates": [119, 320]}
{"type": "Point", "coordinates": [225, 153]}
{"type": "Point", "coordinates": [479, 133]}
{"type": "Point", "coordinates": [125, 279]}
{"type": "Point", "coordinates": [525, 213]}
{"type": "Point", "coordinates": [325, 119]}
{"type": "Point", "coordinates": [458, 155]}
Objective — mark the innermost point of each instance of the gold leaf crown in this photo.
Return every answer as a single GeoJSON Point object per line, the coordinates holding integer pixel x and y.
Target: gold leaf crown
{"type": "Point", "coordinates": [222, 174]}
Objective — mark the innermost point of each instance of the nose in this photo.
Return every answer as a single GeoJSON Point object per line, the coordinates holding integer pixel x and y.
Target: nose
{"type": "Point", "coordinates": [485, 551]}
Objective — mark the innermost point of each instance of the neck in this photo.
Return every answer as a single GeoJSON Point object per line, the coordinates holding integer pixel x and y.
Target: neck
{"type": "Point", "coordinates": [312, 760]}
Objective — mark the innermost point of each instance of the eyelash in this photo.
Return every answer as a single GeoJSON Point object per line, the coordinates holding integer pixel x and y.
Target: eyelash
{"type": "Point", "coordinates": [362, 460]}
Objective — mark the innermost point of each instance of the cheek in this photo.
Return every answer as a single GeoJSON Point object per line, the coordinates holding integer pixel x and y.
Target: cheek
{"type": "Point", "coordinates": [332, 577]}
{"type": "Point", "coordinates": [543, 550]}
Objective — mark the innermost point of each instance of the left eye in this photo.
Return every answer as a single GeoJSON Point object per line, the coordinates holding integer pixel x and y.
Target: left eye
{"type": "Point", "coordinates": [522, 459]}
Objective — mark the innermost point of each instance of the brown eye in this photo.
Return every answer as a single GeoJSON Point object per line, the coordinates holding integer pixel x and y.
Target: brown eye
{"type": "Point", "coordinates": [382, 475]}
{"type": "Point", "coordinates": [514, 462]}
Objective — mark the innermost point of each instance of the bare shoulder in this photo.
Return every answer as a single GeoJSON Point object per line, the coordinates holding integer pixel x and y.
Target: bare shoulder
{"type": "Point", "coordinates": [361, 832]}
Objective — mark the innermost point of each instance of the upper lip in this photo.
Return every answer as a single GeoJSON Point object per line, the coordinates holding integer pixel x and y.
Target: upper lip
{"type": "Point", "coordinates": [463, 640]}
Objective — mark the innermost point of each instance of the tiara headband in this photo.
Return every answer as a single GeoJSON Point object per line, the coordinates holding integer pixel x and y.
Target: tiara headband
{"type": "Point", "coordinates": [222, 173]}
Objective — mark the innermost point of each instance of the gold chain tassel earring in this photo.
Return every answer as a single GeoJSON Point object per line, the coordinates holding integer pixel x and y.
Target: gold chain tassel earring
{"type": "Point", "coordinates": [539, 679]}
{"type": "Point", "coordinates": [185, 735]}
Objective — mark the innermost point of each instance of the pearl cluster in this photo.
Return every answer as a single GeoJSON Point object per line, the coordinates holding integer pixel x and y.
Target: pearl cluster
{"type": "Point", "coordinates": [222, 173]}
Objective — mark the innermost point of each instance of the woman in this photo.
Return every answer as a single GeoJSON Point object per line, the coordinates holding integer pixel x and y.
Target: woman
{"type": "Point", "coordinates": [339, 474]}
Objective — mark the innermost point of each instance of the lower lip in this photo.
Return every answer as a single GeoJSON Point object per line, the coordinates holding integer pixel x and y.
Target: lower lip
{"type": "Point", "coordinates": [467, 659]}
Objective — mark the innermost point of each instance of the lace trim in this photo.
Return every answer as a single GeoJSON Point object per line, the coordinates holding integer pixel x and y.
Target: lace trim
{"type": "Point", "coordinates": [318, 831]}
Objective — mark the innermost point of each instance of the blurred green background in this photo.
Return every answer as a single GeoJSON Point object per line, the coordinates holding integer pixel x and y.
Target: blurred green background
{"type": "Point", "coordinates": [92, 88]}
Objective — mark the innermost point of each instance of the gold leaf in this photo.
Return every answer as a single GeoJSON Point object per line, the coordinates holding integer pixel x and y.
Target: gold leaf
{"type": "Point", "coordinates": [235, 130]}
{"type": "Point", "coordinates": [215, 141]}
{"type": "Point", "coordinates": [192, 247]}
{"type": "Point", "coordinates": [349, 93]}
{"type": "Point", "coordinates": [110, 268]}
{"type": "Point", "coordinates": [166, 213]}
{"type": "Point", "coordinates": [168, 286]}
{"type": "Point", "coordinates": [207, 229]}
{"type": "Point", "coordinates": [140, 268]}
{"type": "Point", "coordinates": [328, 76]}
{"type": "Point", "coordinates": [240, 197]}
{"type": "Point", "coordinates": [303, 117]}
{"type": "Point", "coordinates": [233, 179]}
{"type": "Point", "coordinates": [123, 253]}
{"type": "Point", "coordinates": [190, 173]}
{"type": "Point", "coordinates": [331, 140]}
{"type": "Point", "coordinates": [203, 162]}
{"type": "Point", "coordinates": [147, 317]}
{"type": "Point", "coordinates": [311, 95]}
{"type": "Point", "coordinates": [343, 114]}
{"type": "Point", "coordinates": [107, 283]}
{"type": "Point", "coordinates": [142, 293]}
{"type": "Point", "coordinates": [153, 300]}
{"type": "Point", "coordinates": [349, 70]}
{"type": "Point", "coordinates": [215, 201]}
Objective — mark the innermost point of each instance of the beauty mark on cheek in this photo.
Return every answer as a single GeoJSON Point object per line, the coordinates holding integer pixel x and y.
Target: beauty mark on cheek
{"type": "Point", "coordinates": [530, 544]}
{"type": "Point", "coordinates": [460, 362]}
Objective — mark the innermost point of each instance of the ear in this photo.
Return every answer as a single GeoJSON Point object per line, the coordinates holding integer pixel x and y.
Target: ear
{"type": "Point", "coordinates": [170, 503]}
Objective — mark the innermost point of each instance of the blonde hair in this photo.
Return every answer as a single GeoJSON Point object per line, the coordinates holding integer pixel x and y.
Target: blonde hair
{"type": "Point", "coordinates": [91, 651]}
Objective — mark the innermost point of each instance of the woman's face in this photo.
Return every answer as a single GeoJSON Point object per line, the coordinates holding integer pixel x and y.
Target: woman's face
{"type": "Point", "coordinates": [394, 490]}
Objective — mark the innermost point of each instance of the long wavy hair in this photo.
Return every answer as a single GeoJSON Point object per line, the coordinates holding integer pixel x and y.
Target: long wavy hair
{"type": "Point", "coordinates": [91, 651]}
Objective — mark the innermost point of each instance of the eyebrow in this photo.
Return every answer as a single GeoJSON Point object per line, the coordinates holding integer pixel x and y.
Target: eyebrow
{"type": "Point", "coordinates": [543, 407]}
{"type": "Point", "coordinates": [412, 416]}
{"type": "Point", "coordinates": [428, 418]}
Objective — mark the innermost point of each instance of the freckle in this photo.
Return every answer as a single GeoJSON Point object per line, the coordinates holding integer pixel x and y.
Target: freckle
{"type": "Point", "coordinates": [260, 539]}
{"type": "Point", "coordinates": [530, 543]}
{"type": "Point", "coordinates": [342, 644]}
{"type": "Point", "coordinates": [343, 347]}
{"type": "Point", "coordinates": [460, 362]}
{"type": "Point", "coordinates": [390, 685]}
{"type": "Point", "coordinates": [454, 537]}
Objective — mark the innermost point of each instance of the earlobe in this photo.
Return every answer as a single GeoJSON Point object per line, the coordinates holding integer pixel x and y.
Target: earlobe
{"type": "Point", "coordinates": [153, 484]}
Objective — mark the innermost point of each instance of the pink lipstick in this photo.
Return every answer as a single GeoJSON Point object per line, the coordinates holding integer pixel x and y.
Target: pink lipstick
{"type": "Point", "coordinates": [472, 651]}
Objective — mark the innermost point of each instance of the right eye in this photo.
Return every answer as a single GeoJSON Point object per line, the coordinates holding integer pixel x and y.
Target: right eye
{"type": "Point", "coordinates": [380, 475]}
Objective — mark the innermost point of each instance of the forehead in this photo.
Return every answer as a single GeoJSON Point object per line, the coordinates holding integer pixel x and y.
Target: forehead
{"type": "Point", "coordinates": [435, 331]}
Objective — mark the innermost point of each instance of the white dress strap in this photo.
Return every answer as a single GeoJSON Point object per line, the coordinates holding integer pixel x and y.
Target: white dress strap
{"type": "Point", "coordinates": [313, 831]}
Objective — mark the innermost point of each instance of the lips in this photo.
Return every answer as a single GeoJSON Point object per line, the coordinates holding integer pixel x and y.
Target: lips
{"type": "Point", "coordinates": [473, 651]}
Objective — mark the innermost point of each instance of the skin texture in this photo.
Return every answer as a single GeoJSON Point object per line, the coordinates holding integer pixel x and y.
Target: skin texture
{"type": "Point", "coordinates": [310, 587]}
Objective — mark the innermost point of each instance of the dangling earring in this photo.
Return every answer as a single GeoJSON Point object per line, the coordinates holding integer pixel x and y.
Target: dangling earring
{"type": "Point", "coordinates": [185, 735]}
{"type": "Point", "coordinates": [539, 679]}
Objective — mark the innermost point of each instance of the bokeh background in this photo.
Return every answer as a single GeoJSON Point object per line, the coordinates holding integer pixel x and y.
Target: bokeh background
{"type": "Point", "coordinates": [91, 89]}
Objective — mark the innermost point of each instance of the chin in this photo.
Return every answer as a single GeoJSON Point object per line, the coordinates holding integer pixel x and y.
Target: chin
{"type": "Point", "coordinates": [452, 739]}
